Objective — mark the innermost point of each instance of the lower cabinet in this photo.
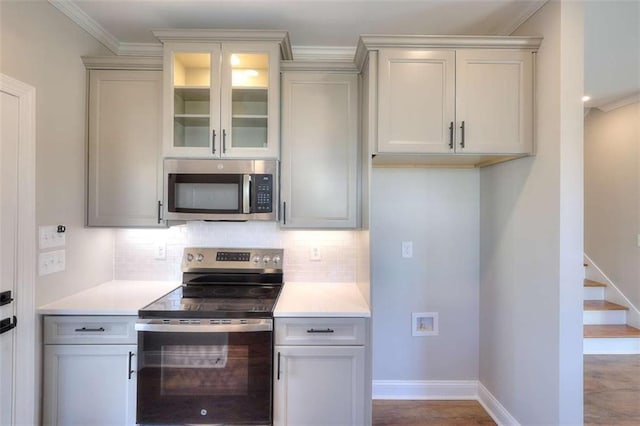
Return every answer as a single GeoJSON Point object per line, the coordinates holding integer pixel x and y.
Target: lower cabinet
{"type": "Point", "coordinates": [88, 384]}
{"type": "Point", "coordinates": [319, 381]}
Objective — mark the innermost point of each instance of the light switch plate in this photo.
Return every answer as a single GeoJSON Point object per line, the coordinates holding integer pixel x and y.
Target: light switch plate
{"type": "Point", "coordinates": [50, 262]}
{"type": "Point", "coordinates": [49, 237]}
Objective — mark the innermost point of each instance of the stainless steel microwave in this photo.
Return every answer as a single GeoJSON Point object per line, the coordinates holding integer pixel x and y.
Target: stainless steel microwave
{"type": "Point", "coordinates": [220, 190]}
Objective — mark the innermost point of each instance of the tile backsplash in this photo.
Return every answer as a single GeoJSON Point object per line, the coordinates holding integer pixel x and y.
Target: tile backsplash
{"type": "Point", "coordinates": [135, 249]}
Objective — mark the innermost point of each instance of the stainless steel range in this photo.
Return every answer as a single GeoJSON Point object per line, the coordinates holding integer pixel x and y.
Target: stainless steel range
{"type": "Point", "coordinates": [205, 350]}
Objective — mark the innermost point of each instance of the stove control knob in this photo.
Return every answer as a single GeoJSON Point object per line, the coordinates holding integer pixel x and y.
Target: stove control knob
{"type": "Point", "coordinates": [266, 260]}
{"type": "Point", "coordinates": [189, 257]}
{"type": "Point", "coordinates": [276, 260]}
{"type": "Point", "coordinates": [200, 257]}
{"type": "Point", "coordinates": [256, 259]}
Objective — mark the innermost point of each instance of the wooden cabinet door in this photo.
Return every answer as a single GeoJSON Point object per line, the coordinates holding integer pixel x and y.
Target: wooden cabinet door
{"type": "Point", "coordinates": [89, 385]}
{"type": "Point", "coordinates": [319, 386]}
{"type": "Point", "coordinates": [415, 100]}
{"type": "Point", "coordinates": [494, 99]}
{"type": "Point", "coordinates": [125, 134]}
{"type": "Point", "coordinates": [319, 150]}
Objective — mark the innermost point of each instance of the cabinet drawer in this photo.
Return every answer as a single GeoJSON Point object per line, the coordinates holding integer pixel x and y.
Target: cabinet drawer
{"type": "Point", "coordinates": [320, 331]}
{"type": "Point", "coordinates": [75, 330]}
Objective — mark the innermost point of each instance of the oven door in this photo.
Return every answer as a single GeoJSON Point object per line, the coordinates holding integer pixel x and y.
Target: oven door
{"type": "Point", "coordinates": [204, 372]}
{"type": "Point", "coordinates": [208, 193]}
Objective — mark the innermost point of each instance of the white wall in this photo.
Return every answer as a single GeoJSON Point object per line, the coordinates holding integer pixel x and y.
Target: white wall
{"type": "Point", "coordinates": [42, 47]}
{"type": "Point", "coordinates": [531, 242]}
{"type": "Point", "coordinates": [612, 195]}
{"type": "Point", "coordinates": [437, 209]}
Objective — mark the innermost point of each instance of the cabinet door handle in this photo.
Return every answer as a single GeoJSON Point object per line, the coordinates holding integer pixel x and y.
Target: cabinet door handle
{"type": "Point", "coordinates": [284, 212]}
{"type": "Point", "coordinates": [451, 135]}
{"type": "Point", "coordinates": [324, 330]}
{"type": "Point", "coordinates": [90, 330]}
{"type": "Point", "coordinates": [224, 141]}
{"type": "Point", "coordinates": [278, 369]}
{"type": "Point", "coordinates": [131, 355]}
{"type": "Point", "coordinates": [462, 135]}
{"type": "Point", "coordinates": [213, 141]}
{"type": "Point", "coordinates": [159, 211]}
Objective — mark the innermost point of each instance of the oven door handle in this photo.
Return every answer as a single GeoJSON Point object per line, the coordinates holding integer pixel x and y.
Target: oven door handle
{"type": "Point", "coordinates": [147, 326]}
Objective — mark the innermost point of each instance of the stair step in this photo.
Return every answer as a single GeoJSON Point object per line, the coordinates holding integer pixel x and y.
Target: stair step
{"type": "Point", "coordinates": [603, 305]}
{"type": "Point", "coordinates": [591, 283]}
{"type": "Point", "coordinates": [603, 331]}
{"type": "Point", "coordinates": [593, 293]}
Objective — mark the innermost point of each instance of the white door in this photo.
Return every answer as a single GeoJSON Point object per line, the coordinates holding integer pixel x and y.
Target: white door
{"type": "Point", "coordinates": [17, 252]}
{"type": "Point", "coordinates": [9, 134]}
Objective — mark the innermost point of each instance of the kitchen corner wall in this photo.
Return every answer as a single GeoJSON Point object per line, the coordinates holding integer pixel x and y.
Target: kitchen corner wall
{"type": "Point", "coordinates": [135, 249]}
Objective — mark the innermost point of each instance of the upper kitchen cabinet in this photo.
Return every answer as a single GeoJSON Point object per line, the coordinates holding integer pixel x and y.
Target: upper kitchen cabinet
{"type": "Point", "coordinates": [319, 167]}
{"type": "Point", "coordinates": [458, 101]}
{"type": "Point", "coordinates": [222, 93]}
{"type": "Point", "coordinates": [125, 133]}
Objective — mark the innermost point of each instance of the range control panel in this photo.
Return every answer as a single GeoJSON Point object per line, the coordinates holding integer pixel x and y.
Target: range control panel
{"type": "Point", "coordinates": [199, 258]}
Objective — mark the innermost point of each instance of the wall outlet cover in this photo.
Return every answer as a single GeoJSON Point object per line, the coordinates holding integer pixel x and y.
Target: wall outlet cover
{"type": "Point", "coordinates": [314, 254]}
{"type": "Point", "coordinates": [407, 249]}
{"type": "Point", "coordinates": [424, 324]}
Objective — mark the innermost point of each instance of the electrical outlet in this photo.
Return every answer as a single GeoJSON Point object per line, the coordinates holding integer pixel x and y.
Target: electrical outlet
{"type": "Point", "coordinates": [314, 254]}
{"type": "Point", "coordinates": [49, 237]}
{"type": "Point", "coordinates": [50, 262]}
{"type": "Point", "coordinates": [407, 249]}
{"type": "Point", "coordinates": [161, 251]}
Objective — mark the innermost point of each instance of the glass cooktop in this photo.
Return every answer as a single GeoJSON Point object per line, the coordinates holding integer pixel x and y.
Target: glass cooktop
{"type": "Point", "coordinates": [214, 301]}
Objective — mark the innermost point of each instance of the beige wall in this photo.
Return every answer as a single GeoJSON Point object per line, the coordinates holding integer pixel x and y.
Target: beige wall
{"type": "Point", "coordinates": [612, 195]}
{"type": "Point", "coordinates": [531, 242]}
{"type": "Point", "coordinates": [42, 47]}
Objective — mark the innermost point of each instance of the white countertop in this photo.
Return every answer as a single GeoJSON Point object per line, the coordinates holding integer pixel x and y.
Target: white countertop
{"type": "Point", "coordinates": [297, 299]}
{"type": "Point", "coordinates": [110, 298]}
{"type": "Point", "coordinates": [303, 299]}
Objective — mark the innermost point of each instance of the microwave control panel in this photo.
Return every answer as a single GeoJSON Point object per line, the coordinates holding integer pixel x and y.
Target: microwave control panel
{"type": "Point", "coordinates": [262, 201]}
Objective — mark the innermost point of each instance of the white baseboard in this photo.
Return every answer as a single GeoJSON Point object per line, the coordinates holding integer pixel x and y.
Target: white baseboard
{"type": "Point", "coordinates": [496, 410]}
{"type": "Point", "coordinates": [425, 389]}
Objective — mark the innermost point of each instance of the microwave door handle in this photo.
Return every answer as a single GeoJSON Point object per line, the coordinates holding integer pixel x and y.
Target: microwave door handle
{"type": "Point", "coordinates": [246, 193]}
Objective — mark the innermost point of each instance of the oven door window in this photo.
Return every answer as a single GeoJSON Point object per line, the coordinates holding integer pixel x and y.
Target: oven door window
{"type": "Point", "coordinates": [205, 193]}
{"type": "Point", "coordinates": [204, 378]}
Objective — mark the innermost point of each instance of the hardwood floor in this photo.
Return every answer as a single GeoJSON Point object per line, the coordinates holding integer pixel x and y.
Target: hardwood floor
{"type": "Point", "coordinates": [611, 397]}
{"type": "Point", "coordinates": [612, 390]}
{"type": "Point", "coordinates": [423, 413]}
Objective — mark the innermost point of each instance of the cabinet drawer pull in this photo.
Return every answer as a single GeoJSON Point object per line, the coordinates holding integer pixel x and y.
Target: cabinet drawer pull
{"type": "Point", "coordinates": [6, 324]}
{"type": "Point", "coordinates": [324, 330]}
{"type": "Point", "coordinates": [86, 330]}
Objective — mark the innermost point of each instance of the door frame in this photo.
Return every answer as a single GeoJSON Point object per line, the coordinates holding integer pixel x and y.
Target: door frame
{"type": "Point", "coordinates": [25, 337]}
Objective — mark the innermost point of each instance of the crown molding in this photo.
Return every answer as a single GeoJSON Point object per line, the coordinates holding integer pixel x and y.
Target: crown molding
{"type": "Point", "coordinates": [624, 101]}
{"type": "Point", "coordinates": [368, 42]}
{"type": "Point", "coordinates": [207, 35]}
{"type": "Point", "coordinates": [323, 53]}
{"type": "Point", "coordinates": [77, 15]}
{"type": "Point", "coordinates": [140, 49]}
{"type": "Point", "coordinates": [330, 66]}
{"type": "Point", "coordinates": [148, 63]}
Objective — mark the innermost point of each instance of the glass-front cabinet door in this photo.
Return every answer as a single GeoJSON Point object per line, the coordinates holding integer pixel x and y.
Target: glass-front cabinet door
{"type": "Point", "coordinates": [250, 100]}
{"type": "Point", "coordinates": [221, 100]}
{"type": "Point", "coordinates": [192, 100]}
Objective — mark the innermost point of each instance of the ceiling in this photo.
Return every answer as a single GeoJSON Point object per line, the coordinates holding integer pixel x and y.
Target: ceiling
{"type": "Point", "coordinates": [331, 27]}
